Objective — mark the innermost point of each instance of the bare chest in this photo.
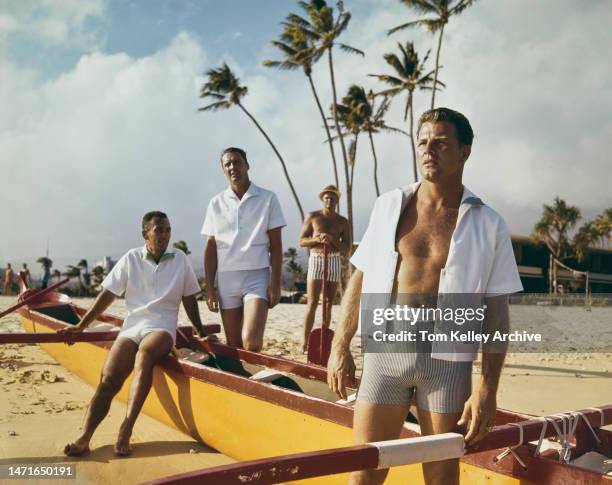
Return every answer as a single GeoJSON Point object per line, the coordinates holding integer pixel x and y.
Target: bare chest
{"type": "Point", "coordinates": [425, 237]}
{"type": "Point", "coordinates": [326, 224]}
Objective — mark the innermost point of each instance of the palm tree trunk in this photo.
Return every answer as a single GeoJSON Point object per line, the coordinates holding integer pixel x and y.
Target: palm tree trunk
{"type": "Point", "coordinates": [329, 137]}
{"type": "Point", "coordinates": [411, 131]}
{"type": "Point", "coordinates": [295, 196]}
{"type": "Point", "coordinates": [349, 187]}
{"type": "Point", "coordinates": [354, 159]}
{"type": "Point", "coordinates": [375, 164]}
{"type": "Point", "coordinates": [435, 79]}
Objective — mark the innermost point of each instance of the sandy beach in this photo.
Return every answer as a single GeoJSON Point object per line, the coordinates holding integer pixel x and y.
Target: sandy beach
{"type": "Point", "coordinates": [43, 404]}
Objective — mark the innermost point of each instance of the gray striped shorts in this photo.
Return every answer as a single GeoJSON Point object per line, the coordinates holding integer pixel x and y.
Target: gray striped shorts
{"type": "Point", "coordinates": [393, 378]}
{"type": "Point", "coordinates": [315, 266]}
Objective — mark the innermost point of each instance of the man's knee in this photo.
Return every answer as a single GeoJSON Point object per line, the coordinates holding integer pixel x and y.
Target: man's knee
{"type": "Point", "coordinates": [110, 383]}
{"type": "Point", "coordinates": [145, 360]}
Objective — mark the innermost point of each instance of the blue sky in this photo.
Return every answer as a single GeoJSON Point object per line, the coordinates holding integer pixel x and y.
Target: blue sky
{"type": "Point", "coordinates": [99, 118]}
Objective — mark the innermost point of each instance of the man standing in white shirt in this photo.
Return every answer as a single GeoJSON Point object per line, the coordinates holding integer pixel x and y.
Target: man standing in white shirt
{"type": "Point", "coordinates": [423, 242]}
{"type": "Point", "coordinates": [155, 280]}
{"type": "Point", "coordinates": [244, 253]}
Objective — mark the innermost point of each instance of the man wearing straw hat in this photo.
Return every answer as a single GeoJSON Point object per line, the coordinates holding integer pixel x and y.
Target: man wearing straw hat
{"type": "Point", "coordinates": [321, 227]}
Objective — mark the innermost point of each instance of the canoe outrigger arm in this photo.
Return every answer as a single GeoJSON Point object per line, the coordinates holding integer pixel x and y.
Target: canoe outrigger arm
{"type": "Point", "coordinates": [385, 454]}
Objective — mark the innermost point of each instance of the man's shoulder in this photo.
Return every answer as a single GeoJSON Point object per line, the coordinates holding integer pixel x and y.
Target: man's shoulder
{"type": "Point", "coordinates": [268, 194]}
{"type": "Point", "coordinates": [489, 216]}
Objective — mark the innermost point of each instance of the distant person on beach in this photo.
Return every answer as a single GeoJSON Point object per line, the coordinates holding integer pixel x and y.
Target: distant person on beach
{"type": "Point", "coordinates": [321, 227]}
{"type": "Point", "coordinates": [155, 279]}
{"type": "Point", "coordinates": [243, 253]}
{"type": "Point", "coordinates": [407, 251]}
{"type": "Point", "coordinates": [26, 275]}
{"type": "Point", "coordinates": [9, 274]}
{"type": "Point", "coordinates": [45, 278]}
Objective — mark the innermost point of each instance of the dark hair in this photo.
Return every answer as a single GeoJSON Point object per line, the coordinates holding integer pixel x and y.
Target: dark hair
{"type": "Point", "coordinates": [239, 151]}
{"type": "Point", "coordinates": [150, 216]}
{"type": "Point", "coordinates": [465, 135]}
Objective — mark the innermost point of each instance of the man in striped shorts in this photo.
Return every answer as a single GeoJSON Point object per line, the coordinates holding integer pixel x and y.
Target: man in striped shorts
{"type": "Point", "coordinates": [425, 242]}
{"type": "Point", "coordinates": [321, 227]}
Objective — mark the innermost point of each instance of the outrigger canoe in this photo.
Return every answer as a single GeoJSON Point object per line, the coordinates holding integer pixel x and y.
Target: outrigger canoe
{"type": "Point", "coordinates": [252, 406]}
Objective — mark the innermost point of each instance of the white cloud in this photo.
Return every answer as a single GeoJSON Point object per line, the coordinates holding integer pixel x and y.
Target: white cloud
{"type": "Point", "coordinates": [91, 150]}
{"type": "Point", "coordinates": [56, 22]}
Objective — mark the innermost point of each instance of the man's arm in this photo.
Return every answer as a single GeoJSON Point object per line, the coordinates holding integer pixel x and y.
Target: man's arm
{"type": "Point", "coordinates": [276, 261]}
{"type": "Point", "coordinates": [341, 367]}
{"type": "Point", "coordinates": [479, 410]}
{"type": "Point", "coordinates": [306, 239]}
{"type": "Point", "coordinates": [210, 271]}
{"type": "Point", "coordinates": [102, 302]}
{"type": "Point", "coordinates": [193, 313]}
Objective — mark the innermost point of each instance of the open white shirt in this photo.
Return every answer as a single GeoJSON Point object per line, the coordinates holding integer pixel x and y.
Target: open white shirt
{"type": "Point", "coordinates": [480, 257]}
{"type": "Point", "coordinates": [153, 292]}
{"type": "Point", "coordinates": [240, 227]}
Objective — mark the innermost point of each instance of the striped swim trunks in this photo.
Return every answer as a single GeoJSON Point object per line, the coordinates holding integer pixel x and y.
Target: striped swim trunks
{"type": "Point", "coordinates": [393, 377]}
{"type": "Point", "coordinates": [334, 266]}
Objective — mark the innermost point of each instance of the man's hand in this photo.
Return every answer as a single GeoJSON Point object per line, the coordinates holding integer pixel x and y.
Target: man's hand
{"type": "Point", "coordinates": [72, 329]}
{"type": "Point", "coordinates": [326, 238]}
{"type": "Point", "coordinates": [209, 338]}
{"type": "Point", "coordinates": [340, 370]}
{"type": "Point", "coordinates": [478, 414]}
{"type": "Point", "coordinates": [212, 300]}
{"type": "Point", "coordinates": [274, 295]}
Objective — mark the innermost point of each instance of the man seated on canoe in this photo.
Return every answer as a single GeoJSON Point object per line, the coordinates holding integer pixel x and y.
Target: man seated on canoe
{"type": "Point", "coordinates": [244, 253]}
{"type": "Point", "coordinates": [321, 227]}
{"type": "Point", "coordinates": [407, 252]}
{"type": "Point", "coordinates": [155, 279]}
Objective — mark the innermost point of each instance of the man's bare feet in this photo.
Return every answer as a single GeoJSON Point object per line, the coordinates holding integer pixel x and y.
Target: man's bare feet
{"type": "Point", "coordinates": [122, 446]}
{"type": "Point", "coordinates": [79, 447]}
{"type": "Point", "coordinates": [305, 348]}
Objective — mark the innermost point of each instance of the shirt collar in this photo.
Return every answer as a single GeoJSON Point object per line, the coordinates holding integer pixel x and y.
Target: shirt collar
{"type": "Point", "coordinates": [252, 191]}
{"type": "Point", "coordinates": [468, 199]}
{"type": "Point", "coordinates": [146, 254]}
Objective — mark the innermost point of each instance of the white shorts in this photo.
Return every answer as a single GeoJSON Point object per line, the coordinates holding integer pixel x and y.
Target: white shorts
{"type": "Point", "coordinates": [139, 332]}
{"type": "Point", "coordinates": [236, 287]}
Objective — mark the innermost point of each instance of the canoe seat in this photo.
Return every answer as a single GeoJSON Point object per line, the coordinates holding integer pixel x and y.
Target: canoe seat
{"type": "Point", "coordinates": [267, 375]}
{"type": "Point", "coordinates": [277, 378]}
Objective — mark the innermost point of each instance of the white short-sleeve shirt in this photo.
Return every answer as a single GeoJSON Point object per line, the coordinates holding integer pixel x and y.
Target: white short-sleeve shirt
{"type": "Point", "coordinates": [153, 292]}
{"type": "Point", "coordinates": [480, 257]}
{"type": "Point", "coordinates": [240, 227]}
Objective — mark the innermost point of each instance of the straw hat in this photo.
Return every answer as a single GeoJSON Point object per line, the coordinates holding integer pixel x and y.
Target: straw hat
{"type": "Point", "coordinates": [329, 188]}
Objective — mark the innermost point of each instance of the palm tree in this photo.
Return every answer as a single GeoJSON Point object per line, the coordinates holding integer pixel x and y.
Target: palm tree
{"type": "Point", "coordinates": [182, 246]}
{"type": "Point", "coordinates": [293, 267]}
{"type": "Point", "coordinates": [300, 52]}
{"type": "Point", "coordinates": [45, 262]}
{"type": "Point", "coordinates": [597, 232]}
{"type": "Point", "coordinates": [56, 274]}
{"type": "Point", "coordinates": [442, 10]}
{"type": "Point", "coordinates": [84, 266]}
{"type": "Point", "coordinates": [324, 30]}
{"type": "Point", "coordinates": [409, 75]}
{"type": "Point", "coordinates": [224, 87]}
{"type": "Point", "coordinates": [553, 230]}
{"type": "Point", "coordinates": [75, 272]}
{"type": "Point", "coordinates": [358, 114]}
{"type": "Point", "coordinates": [98, 275]}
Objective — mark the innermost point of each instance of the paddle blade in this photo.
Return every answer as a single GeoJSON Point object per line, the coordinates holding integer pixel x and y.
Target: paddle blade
{"type": "Point", "coordinates": [319, 345]}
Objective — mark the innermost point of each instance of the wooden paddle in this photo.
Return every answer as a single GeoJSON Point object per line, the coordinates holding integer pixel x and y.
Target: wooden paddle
{"type": "Point", "coordinates": [34, 296]}
{"type": "Point", "coordinates": [320, 340]}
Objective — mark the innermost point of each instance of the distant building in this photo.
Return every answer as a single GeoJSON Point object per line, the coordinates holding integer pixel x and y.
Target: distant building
{"type": "Point", "coordinates": [533, 260]}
